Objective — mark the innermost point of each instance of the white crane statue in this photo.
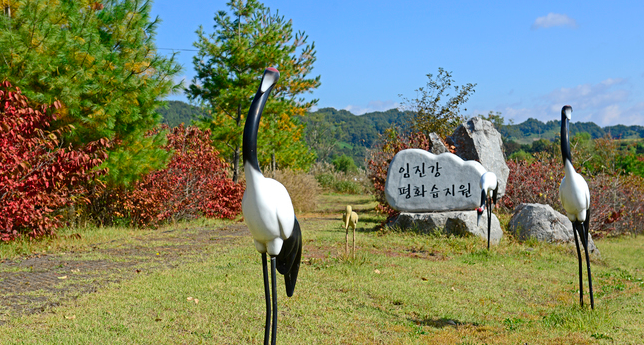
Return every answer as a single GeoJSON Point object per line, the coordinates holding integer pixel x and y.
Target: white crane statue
{"type": "Point", "coordinates": [268, 211]}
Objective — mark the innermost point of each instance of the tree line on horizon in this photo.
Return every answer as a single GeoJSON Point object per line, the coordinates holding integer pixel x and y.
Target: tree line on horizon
{"type": "Point", "coordinates": [332, 133]}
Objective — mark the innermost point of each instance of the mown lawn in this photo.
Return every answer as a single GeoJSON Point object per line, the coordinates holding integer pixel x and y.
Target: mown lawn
{"type": "Point", "coordinates": [402, 288]}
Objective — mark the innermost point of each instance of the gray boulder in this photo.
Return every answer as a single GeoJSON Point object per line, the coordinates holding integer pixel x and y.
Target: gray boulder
{"type": "Point", "coordinates": [545, 224]}
{"type": "Point", "coordinates": [478, 140]}
{"type": "Point", "coordinates": [436, 144]}
{"type": "Point", "coordinates": [459, 223]}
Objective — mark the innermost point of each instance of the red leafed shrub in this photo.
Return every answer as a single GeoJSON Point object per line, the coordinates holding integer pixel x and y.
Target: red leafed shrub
{"type": "Point", "coordinates": [536, 182]}
{"type": "Point", "coordinates": [617, 201]}
{"type": "Point", "coordinates": [38, 176]}
{"type": "Point", "coordinates": [194, 184]}
{"type": "Point", "coordinates": [379, 159]}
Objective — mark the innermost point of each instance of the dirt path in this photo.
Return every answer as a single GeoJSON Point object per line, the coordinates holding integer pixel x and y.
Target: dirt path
{"type": "Point", "coordinates": [36, 283]}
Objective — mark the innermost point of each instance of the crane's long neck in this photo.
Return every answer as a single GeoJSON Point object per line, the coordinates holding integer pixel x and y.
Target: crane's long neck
{"type": "Point", "coordinates": [251, 165]}
{"type": "Point", "coordinates": [565, 143]}
{"type": "Point", "coordinates": [250, 130]}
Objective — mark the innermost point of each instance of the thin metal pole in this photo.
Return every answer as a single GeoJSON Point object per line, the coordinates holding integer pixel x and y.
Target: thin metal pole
{"type": "Point", "coordinates": [274, 284]}
{"type": "Point", "coordinates": [267, 295]}
{"type": "Point", "coordinates": [590, 279]}
{"type": "Point", "coordinates": [581, 284]}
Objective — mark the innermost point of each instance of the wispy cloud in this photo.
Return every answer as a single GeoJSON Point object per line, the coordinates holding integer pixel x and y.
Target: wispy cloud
{"type": "Point", "coordinates": [605, 103]}
{"type": "Point", "coordinates": [590, 96]}
{"type": "Point", "coordinates": [552, 20]}
{"type": "Point", "coordinates": [371, 107]}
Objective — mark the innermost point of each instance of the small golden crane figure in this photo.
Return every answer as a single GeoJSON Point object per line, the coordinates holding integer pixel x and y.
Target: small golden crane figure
{"type": "Point", "coordinates": [350, 219]}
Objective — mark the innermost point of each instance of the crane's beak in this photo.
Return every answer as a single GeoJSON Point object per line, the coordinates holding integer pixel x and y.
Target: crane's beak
{"type": "Point", "coordinates": [479, 210]}
{"type": "Point", "coordinates": [269, 79]}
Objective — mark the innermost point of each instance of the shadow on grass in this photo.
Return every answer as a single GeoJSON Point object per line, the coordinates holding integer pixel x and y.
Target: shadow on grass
{"type": "Point", "coordinates": [442, 322]}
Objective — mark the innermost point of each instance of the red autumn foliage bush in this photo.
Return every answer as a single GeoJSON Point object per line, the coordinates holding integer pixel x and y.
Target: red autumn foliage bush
{"type": "Point", "coordinates": [38, 176]}
{"type": "Point", "coordinates": [536, 182]}
{"type": "Point", "coordinates": [616, 200]}
{"type": "Point", "coordinates": [194, 184]}
{"type": "Point", "coordinates": [380, 157]}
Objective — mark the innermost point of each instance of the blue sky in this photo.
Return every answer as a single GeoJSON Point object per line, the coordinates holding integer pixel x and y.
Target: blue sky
{"type": "Point", "coordinates": [528, 58]}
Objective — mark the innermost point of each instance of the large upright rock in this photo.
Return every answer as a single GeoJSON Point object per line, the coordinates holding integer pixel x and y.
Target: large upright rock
{"type": "Point", "coordinates": [478, 140]}
{"type": "Point", "coordinates": [545, 224]}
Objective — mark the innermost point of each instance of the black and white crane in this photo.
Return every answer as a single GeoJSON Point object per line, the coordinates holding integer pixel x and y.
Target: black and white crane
{"type": "Point", "coordinates": [268, 211]}
{"type": "Point", "coordinates": [489, 189]}
{"type": "Point", "coordinates": [575, 198]}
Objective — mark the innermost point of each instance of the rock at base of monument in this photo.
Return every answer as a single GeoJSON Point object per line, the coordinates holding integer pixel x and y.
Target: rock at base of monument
{"type": "Point", "coordinates": [545, 224]}
{"type": "Point", "coordinates": [459, 223]}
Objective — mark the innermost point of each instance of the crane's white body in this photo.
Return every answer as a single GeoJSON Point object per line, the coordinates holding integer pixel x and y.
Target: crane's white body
{"type": "Point", "coordinates": [268, 211]}
{"type": "Point", "coordinates": [488, 183]}
{"type": "Point", "coordinates": [574, 194]}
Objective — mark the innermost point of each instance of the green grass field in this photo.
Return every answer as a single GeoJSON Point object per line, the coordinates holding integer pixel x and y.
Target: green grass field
{"type": "Point", "coordinates": [402, 288]}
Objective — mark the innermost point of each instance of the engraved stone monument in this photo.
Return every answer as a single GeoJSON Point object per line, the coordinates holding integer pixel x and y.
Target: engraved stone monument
{"type": "Point", "coordinates": [420, 181]}
{"type": "Point", "coordinates": [438, 193]}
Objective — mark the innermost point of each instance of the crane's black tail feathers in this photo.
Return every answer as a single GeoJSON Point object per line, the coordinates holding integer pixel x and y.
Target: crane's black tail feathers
{"type": "Point", "coordinates": [288, 260]}
{"type": "Point", "coordinates": [494, 194]}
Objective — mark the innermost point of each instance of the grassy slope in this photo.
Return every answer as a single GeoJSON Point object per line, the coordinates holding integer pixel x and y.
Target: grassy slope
{"type": "Point", "coordinates": [402, 288]}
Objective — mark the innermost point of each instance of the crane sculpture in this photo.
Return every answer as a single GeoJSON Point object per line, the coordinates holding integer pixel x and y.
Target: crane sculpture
{"type": "Point", "coordinates": [489, 190]}
{"type": "Point", "coordinates": [350, 220]}
{"type": "Point", "coordinates": [268, 211]}
{"type": "Point", "coordinates": [575, 198]}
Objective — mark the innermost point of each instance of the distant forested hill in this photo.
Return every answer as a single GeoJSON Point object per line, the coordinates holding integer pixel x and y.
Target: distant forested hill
{"type": "Point", "coordinates": [533, 129]}
{"type": "Point", "coordinates": [178, 112]}
{"type": "Point", "coordinates": [332, 133]}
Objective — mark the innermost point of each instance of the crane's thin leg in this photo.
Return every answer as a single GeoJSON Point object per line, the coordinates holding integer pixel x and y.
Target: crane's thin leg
{"type": "Point", "coordinates": [346, 241]}
{"type": "Point", "coordinates": [267, 295]}
{"type": "Point", "coordinates": [354, 242]}
{"type": "Point", "coordinates": [489, 222]}
{"type": "Point", "coordinates": [581, 286]}
{"type": "Point", "coordinates": [274, 334]}
{"type": "Point", "coordinates": [590, 279]}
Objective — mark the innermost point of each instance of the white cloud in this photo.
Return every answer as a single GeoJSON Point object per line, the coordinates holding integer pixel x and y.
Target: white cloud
{"type": "Point", "coordinates": [552, 20]}
{"type": "Point", "coordinates": [590, 96]}
{"type": "Point", "coordinates": [615, 114]}
{"type": "Point", "coordinates": [372, 106]}
{"type": "Point", "coordinates": [605, 103]}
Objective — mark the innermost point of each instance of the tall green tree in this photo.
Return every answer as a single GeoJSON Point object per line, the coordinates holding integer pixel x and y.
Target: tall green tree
{"type": "Point", "coordinates": [434, 108]}
{"type": "Point", "coordinates": [229, 65]}
{"type": "Point", "coordinates": [98, 58]}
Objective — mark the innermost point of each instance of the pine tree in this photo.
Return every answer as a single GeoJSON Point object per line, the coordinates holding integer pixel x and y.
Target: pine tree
{"type": "Point", "coordinates": [229, 66]}
{"type": "Point", "coordinates": [99, 60]}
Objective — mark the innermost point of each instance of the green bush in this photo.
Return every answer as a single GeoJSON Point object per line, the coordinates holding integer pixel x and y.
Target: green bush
{"type": "Point", "coordinates": [345, 164]}
{"type": "Point", "coordinates": [521, 156]}
{"type": "Point", "coordinates": [339, 182]}
{"type": "Point", "coordinates": [347, 187]}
